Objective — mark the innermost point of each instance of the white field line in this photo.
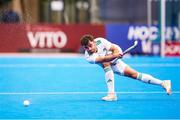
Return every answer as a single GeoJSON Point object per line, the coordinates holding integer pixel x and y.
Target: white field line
{"type": "Point", "coordinates": [86, 65]}
{"type": "Point", "coordinates": [66, 93]}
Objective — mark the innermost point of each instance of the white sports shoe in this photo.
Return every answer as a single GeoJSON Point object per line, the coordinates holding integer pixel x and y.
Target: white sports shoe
{"type": "Point", "coordinates": [110, 98]}
{"type": "Point", "coordinates": [167, 86]}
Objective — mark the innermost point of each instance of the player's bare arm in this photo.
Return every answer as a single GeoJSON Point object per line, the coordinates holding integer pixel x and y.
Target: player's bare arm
{"type": "Point", "coordinates": [115, 54]}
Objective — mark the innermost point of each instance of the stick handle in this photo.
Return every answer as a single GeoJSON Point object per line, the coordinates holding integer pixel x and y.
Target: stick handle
{"type": "Point", "coordinates": [129, 49]}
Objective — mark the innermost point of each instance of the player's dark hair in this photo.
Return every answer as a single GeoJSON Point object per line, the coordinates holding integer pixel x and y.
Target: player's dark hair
{"type": "Point", "coordinates": [85, 39]}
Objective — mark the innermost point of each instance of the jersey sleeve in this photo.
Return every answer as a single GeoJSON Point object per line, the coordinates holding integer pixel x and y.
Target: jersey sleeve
{"type": "Point", "coordinates": [107, 44]}
{"type": "Point", "coordinates": [91, 58]}
{"type": "Point", "coordinates": [104, 43]}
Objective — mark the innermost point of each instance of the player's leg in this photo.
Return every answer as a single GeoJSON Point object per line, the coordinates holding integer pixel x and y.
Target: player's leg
{"type": "Point", "coordinates": [125, 70]}
{"type": "Point", "coordinates": [147, 78]}
{"type": "Point", "coordinates": [109, 76]}
{"type": "Point", "coordinates": [129, 72]}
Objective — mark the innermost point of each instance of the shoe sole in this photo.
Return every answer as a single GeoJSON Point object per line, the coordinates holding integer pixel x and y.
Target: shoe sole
{"type": "Point", "coordinates": [169, 91]}
{"type": "Point", "coordinates": [114, 99]}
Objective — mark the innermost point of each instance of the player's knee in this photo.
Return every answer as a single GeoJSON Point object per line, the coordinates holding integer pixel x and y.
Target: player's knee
{"type": "Point", "coordinates": [134, 75]}
{"type": "Point", "coordinates": [106, 64]}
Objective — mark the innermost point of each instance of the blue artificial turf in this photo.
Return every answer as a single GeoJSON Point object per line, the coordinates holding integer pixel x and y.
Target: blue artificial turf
{"type": "Point", "coordinates": [71, 88]}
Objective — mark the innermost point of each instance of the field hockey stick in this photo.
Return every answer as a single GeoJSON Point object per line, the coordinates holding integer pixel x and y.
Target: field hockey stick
{"type": "Point", "coordinates": [128, 49]}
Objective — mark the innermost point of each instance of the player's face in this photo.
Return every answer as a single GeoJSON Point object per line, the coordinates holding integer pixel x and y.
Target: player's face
{"type": "Point", "coordinates": [91, 47]}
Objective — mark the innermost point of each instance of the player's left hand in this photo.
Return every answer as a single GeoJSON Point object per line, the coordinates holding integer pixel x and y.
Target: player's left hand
{"type": "Point", "coordinates": [120, 55]}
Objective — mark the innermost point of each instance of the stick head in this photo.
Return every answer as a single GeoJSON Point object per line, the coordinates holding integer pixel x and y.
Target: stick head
{"type": "Point", "coordinates": [135, 43]}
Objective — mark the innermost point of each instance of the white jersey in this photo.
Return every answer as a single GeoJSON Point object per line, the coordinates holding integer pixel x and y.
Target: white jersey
{"type": "Point", "coordinates": [103, 48]}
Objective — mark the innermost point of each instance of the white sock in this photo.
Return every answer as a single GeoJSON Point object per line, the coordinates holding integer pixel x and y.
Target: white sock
{"type": "Point", "coordinates": [109, 76]}
{"type": "Point", "coordinates": [149, 79]}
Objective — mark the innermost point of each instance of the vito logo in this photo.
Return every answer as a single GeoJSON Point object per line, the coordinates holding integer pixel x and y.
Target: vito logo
{"type": "Point", "coordinates": [143, 33]}
{"type": "Point", "coordinates": [47, 39]}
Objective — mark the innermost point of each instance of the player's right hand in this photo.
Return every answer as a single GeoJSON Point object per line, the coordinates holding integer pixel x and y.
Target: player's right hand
{"type": "Point", "coordinates": [120, 55]}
